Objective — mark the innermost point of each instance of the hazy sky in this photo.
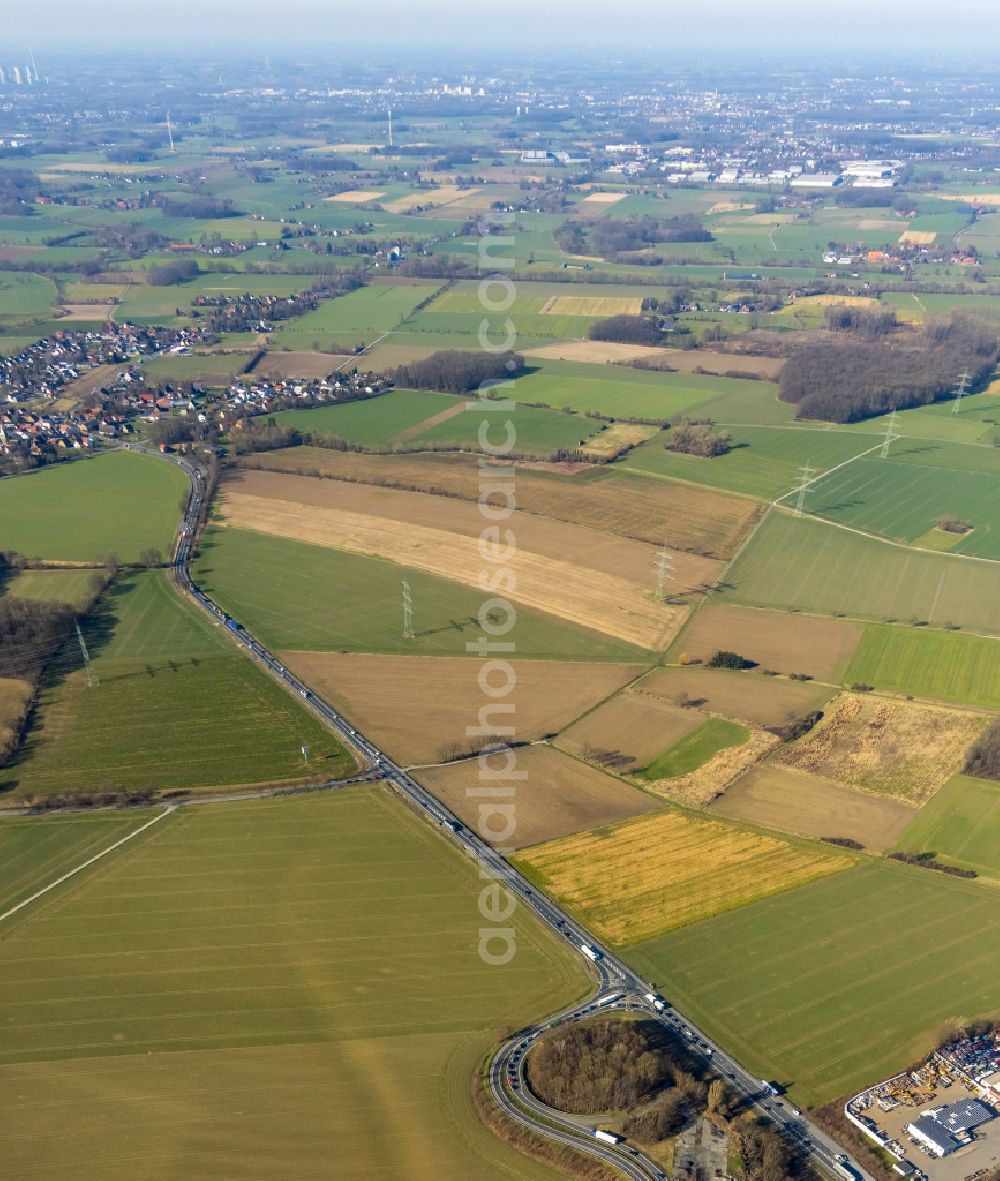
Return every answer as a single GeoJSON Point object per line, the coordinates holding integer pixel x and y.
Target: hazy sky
{"type": "Point", "coordinates": [867, 26]}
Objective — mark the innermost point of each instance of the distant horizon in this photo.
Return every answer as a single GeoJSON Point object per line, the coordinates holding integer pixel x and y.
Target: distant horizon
{"type": "Point", "coordinates": [861, 29]}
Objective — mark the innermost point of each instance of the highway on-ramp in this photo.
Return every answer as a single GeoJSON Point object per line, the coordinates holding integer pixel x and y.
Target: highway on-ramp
{"type": "Point", "coordinates": [613, 976]}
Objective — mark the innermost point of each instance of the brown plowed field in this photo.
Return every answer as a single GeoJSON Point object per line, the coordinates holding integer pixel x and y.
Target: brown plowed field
{"type": "Point", "coordinates": [557, 797]}
{"type": "Point", "coordinates": [744, 697]}
{"type": "Point", "coordinates": [417, 708]}
{"type": "Point", "coordinates": [689, 518]}
{"type": "Point", "coordinates": [593, 579]}
{"type": "Point", "coordinates": [780, 797]}
{"type": "Point", "coordinates": [298, 364]}
{"type": "Point", "coordinates": [787, 643]}
{"type": "Point", "coordinates": [629, 731]}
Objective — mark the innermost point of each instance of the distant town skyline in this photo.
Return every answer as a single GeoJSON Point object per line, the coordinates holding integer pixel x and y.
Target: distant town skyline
{"type": "Point", "coordinates": [889, 27]}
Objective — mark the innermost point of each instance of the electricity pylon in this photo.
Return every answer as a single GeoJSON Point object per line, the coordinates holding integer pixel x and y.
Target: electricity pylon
{"type": "Point", "coordinates": [961, 389]}
{"type": "Point", "coordinates": [664, 564]}
{"type": "Point", "coordinates": [890, 434]}
{"type": "Point", "coordinates": [806, 474]}
{"type": "Point", "coordinates": [91, 678]}
{"type": "Point", "coordinates": [407, 611]}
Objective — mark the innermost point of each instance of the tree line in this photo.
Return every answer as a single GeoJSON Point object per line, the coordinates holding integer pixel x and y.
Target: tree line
{"type": "Point", "coordinates": [455, 372]}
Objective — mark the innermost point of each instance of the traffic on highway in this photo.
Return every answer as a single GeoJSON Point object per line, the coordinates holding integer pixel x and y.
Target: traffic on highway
{"type": "Point", "coordinates": [617, 986]}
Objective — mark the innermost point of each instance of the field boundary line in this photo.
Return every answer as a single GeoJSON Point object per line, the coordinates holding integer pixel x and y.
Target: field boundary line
{"type": "Point", "coordinates": [84, 865]}
{"type": "Point", "coordinates": [913, 549]}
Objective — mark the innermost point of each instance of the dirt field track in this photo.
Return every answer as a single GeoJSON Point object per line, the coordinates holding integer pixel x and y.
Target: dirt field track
{"type": "Point", "coordinates": [418, 707]}
{"type": "Point", "coordinates": [744, 697]}
{"type": "Point", "coordinates": [780, 797]}
{"type": "Point", "coordinates": [786, 643]}
{"type": "Point", "coordinates": [558, 796]}
{"type": "Point", "coordinates": [629, 731]}
{"type": "Point", "coordinates": [555, 564]}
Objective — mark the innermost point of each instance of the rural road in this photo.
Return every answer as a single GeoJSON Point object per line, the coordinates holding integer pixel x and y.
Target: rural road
{"type": "Point", "coordinates": [614, 977]}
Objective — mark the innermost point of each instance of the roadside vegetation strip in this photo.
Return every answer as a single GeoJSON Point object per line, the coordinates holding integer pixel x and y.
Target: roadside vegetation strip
{"type": "Point", "coordinates": [882, 956]}
{"type": "Point", "coordinates": [643, 877]}
{"type": "Point", "coordinates": [11, 911]}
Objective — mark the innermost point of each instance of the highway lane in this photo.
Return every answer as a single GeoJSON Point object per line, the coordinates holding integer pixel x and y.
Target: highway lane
{"type": "Point", "coordinates": [613, 974]}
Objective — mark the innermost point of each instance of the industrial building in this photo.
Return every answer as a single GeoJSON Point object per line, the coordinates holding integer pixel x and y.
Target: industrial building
{"type": "Point", "coordinates": [943, 1130]}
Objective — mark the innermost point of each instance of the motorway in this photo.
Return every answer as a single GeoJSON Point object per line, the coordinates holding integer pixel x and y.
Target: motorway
{"type": "Point", "coordinates": [613, 976]}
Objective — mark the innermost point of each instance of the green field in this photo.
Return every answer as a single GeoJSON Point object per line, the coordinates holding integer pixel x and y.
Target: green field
{"type": "Point", "coordinates": [176, 707]}
{"type": "Point", "coordinates": [695, 749]}
{"type": "Point", "coordinates": [372, 422]}
{"type": "Point", "coordinates": [943, 666]}
{"type": "Point", "coordinates": [35, 850]}
{"type": "Point", "coordinates": [357, 317]}
{"type": "Point", "coordinates": [961, 825]}
{"type": "Point", "coordinates": [619, 392]}
{"type": "Point", "coordinates": [51, 586]}
{"type": "Point", "coordinates": [839, 983]}
{"type": "Point", "coordinates": [765, 462]}
{"type": "Point", "coordinates": [808, 565]}
{"type": "Point", "coordinates": [534, 431]}
{"type": "Point", "coordinates": [293, 595]}
{"type": "Point", "coordinates": [903, 500]}
{"type": "Point", "coordinates": [261, 983]}
{"type": "Point", "coordinates": [78, 512]}
{"type": "Point", "coordinates": [25, 297]}
{"type": "Point", "coordinates": [395, 418]}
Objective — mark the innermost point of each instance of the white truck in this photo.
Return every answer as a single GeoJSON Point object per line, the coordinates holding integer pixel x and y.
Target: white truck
{"type": "Point", "coordinates": [610, 998]}
{"type": "Point", "coordinates": [658, 1003]}
{"type": "Point", "coordinates": [590, 952]}
{"type": "Point", "coordinates": [607, 1137]}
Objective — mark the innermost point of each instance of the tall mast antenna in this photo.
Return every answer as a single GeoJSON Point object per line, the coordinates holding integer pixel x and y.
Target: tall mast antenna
{"type": "Point", "coordinates": [170, 133]}
{"type": "Point", "coordinates": [390, 127]}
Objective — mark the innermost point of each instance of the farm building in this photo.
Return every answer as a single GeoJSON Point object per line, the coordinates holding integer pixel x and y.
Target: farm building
{"type": "Point", "coordinates": [942, 1130]}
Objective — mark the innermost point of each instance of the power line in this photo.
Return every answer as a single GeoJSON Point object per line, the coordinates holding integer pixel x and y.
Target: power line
{"type": "Point", "coordinates": [407, 611]}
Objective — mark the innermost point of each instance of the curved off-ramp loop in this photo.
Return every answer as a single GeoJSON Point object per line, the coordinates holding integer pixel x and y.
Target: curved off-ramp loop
{"type": "Point", "coordinates": [84, 865]}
